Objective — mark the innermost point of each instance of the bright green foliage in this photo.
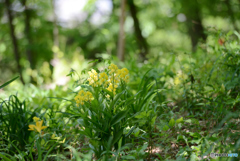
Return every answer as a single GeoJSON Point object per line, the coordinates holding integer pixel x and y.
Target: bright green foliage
{"type": "Point", "coordinates": [15, 117]}
{"type": "Point", "coordinates": [104, 118]}
{"type": "Point", "coordinates": [184, 109]}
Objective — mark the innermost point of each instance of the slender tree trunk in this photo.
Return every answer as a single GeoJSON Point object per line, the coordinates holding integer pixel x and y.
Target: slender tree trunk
{"type": "Point", "coordinates": [29, 53]}
{"type": "Point", "coordinates": [14, 39]}
{"type": "Point", "coordinates": [231, 14]}
{"type": "Point", "coordinates": [28, 34]}
{"type": "Point", "coordinates": [55, 26]}
{"type": "Point", "coordinates": [142, 43]}
{"type": "Point", "coordinates": [121, 38]}
{"type": "Point", "coordinates": [55, 59]}
{"type": "Point", "coordinates": [194, 22]}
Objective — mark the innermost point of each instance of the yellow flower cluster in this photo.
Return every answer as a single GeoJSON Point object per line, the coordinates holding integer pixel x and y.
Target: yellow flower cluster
{"type": "Point", "coordinates": [38, 127]}
{"type": "Point", "coordinates": [112, 88]}
{"type": "Point", "coordinates": [103, 79]}
{"type": "Point", "coordinates": [113, 68]}
{"type": "Point", "coordinates": [110, 82]}
{"type": "Point", "coordinates": [93, 78]}
{"type": "Point", "coordinates": [83, 97]}
{"type": "Point", "coordinates": [116, 76]}
{"type": "Point", "coordinates": [123, 74]}
{"type": "Point", "coordinates": [180, 78]}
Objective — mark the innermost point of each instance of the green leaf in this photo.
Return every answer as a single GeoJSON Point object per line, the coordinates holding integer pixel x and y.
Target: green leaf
{"type": "Point", "coordinates": [141, 115]}
{"type": "Point", "coordinates": [117, 136]}
{"type": "Point", "coordinates": [153, 120]}
{"type": "Point", "coordinates": [6, 158]}
{"type": "Point", "coordinates": [196, 141]}
{"type": "Point", "coordinates": [179, 120]}
{"type": "Point", "coordinates": [165, 128]}
{"type": "Point", "coordinates": [116, 99]}
{"type": "Point", "coordinates": [193, 157]}
{"type": "Point", "coordinates": [141, 84]}
{"type": "Point", "coordinates": [195, 135]}
{"type": "Point", "coordinates": [75, 153]}
{"type": "Point", "coordinates": [130, 131]}
{"type": "Point", "coordinates": [180, 137]}
{"type": "Point", "coordinates": [171, 122]}
{"type": "Point", "coordinates": [96, 60]}
{"type": "Point", "coordinates": [46, 156]}
{"type": "Point", "coordinates": [8, 82]}
{"type": "Point", "coordinates": [149, 112]}
{"type": "Point", "coordinates": [136, 132]}
{"type": "Point", "coordinates": [129, 157]}
{"type": "Point", "coordinates": [118, 117]}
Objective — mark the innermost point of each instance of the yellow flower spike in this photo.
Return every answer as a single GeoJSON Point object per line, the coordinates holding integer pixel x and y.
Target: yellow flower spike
{"type": "Point", "coordinates": [54, 137]}
{"type": "Point", "coordinates": [83, 97]}
{"type": "Point", "coordinates": [62, 141]}
{"type": "Point", "coordinates": [113, 68]}
{"type": "Point", "coordinates": [103, 78]}
{"type": "Point", "coordinates": [36, 119]}
{"type": "Point", "coordinates": [95, 78]}
{"type": "Point", "coordinates": [38, 127]}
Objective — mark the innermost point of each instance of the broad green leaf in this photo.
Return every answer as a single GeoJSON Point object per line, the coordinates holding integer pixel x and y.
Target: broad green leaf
{"type": "Point", "coordinates": [141, 115]}
{"type": "Point", "coordinates": [171, 122]}
{"type": "Point", "coordinates": [153, 120]}
{"type": "Point", "coordinates": [180, 137]}
{"type": "Point", "coordinates": [118, 117]}
{"type": "Point", "coordinates": [136, 132]}
{"type": "Point", "coordinates": [117, 136]}
{"type": "Point", "coordinates": [195, 135]}
{"type": "Point", "coordinates": [193, 157]}
{"type": "Point", "coordinates": [165, 128]}
{"type": "Point", "coordinates": [117, 97]}
{"type": "Point", "coordinates": [195, 141]}
{"type": "Point", "coordinates": [149, 112]}
{"type": "Point", "coordinates": [180, 120]}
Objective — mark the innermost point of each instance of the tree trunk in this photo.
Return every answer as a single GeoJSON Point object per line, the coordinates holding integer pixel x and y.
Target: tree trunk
{"type": "Point", "coordinates": [29, 53]}
{"type": "Point", "coordinates": [55, 59]}
{"type": "Point", "coordinates": [231, 14]}
{"type": "Point", "coordinates": [14, 39]}
{"type": "Point", "coordinates": [55, 27]}
{"type": "Point", "coordinates": [194, 22]}
{"type": "Point", "coordinates": [142, 43]}
{"type": "Point", "coordinates": [121, 38]}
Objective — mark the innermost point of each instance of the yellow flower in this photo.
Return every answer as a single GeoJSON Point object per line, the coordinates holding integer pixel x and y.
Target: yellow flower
{"type": "Point", "coordinates": [103, 78]}
{"type": "Point", "coordinates": [38, 127]}
{"type": "Point", "coordinates": [62, 141]}
{"type": "Point", "coordinates": [36, 119]}
{"type": "Point", "coordinates": [113, 68]}
{"type": "Point", "coordinates": [111, 88]}
{"type": "Point", "coordinates": [83, 96]}
{"type": "Point", "coordinates": [54, 137]}
{"type": "Point", "coordinates": [123, 74]}
{"type": "Point", "coordinates": [93, 78]}
{"type": "Point", "coordinates": [88, 96]}
{"type": "Point", "coordinates": [57, 138]}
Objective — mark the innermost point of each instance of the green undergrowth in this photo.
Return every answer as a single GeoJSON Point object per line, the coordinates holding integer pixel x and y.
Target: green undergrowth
{"type": "Point", "coordinates": [184, 109]}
